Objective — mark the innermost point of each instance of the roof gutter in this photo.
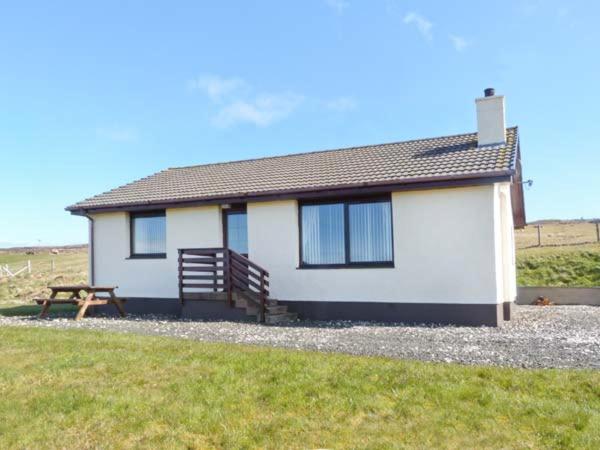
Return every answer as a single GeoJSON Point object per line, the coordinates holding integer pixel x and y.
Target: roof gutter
{"type": "Point", "coordinates": [418, 183]}
{"type": "Point", "coordinates": [91, 248]}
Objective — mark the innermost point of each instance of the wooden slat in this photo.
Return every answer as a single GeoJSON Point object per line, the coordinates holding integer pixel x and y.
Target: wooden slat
{"type": "Point", "coordinates": [243, 260]}
{"type": "Point", "coordinates": [246, 281]}
{"type": "Point", "coordinates": [202, 269]}
{"type": "Point", "coordinates": [198, 295]}
{"type": "Point", "coordinates": [202, 285]}
{"type": "Point", "coordinates": [203, 277]}
{"type": "Point", "coordinates": [235, 268]}
{"type": "Point", "coordinates": [244, 269]}
{"type": "Point", "coordinates": [201, 251]}
{"type": "Point", "coordinates": [82, 287]}
{"type": "Point", "coordinates": [207, 260]}
{"type": "Point", "coordinates": [57, 301]}
{"type": "Point", "coordinates": [243, 286]}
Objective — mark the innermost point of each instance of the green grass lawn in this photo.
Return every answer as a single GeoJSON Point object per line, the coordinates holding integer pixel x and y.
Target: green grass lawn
{"type": "Point", "coordinates": [76, 388]}
{"type": "Point", "coordinates": [559, 266]}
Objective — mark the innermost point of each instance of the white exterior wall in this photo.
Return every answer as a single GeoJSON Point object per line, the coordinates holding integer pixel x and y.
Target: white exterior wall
{"type": "Point", "coordinates": [155, 278]}
{"type": "Point", "coordinates": [506, 274]}
{"type": "Point", "coordinates": [444, 252]}
{"type": "Point", "coordinates": [450, 246]}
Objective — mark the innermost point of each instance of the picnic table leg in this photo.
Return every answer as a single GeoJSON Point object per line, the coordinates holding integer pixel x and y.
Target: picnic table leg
{"type": "Point", "coordinates": [46, 306]}
{"type": "Point", "coordinates": [84, 306]}
{"type": "Point", "coordinates": [118, 303]}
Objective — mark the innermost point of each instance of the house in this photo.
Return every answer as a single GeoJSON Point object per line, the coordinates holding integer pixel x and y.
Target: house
{"type": "Point", "coordinates": [414, 231]}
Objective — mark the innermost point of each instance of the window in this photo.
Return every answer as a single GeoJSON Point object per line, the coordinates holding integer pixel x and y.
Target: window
{"type": "Point", "coordinates": [353, 233]}
{"type": "Point", "coordinates": [148, 235]}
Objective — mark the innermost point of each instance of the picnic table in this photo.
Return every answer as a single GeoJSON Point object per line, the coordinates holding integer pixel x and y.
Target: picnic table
{"type": "Point", "coordinates": [75, 298]}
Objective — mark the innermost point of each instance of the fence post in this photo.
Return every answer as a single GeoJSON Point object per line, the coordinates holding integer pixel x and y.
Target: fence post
{"type": "Point", "coordinates": [29, 266]}
{"type": "Point", "coordinates": [539, 235]}
{"type": "Point", "coordinates": [598, 231]}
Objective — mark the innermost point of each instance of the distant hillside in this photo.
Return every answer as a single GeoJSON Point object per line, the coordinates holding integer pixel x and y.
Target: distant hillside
{"type": "Point", "coordinates": [555, 233]}
{"type": "Point", "coordinates": [46, 249]}
{"type": "Point", "coordinates": [562, 221]}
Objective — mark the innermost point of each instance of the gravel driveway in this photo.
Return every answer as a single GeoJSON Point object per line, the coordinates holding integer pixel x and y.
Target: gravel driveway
{"type": "Point", "coordinates": [552, 336]}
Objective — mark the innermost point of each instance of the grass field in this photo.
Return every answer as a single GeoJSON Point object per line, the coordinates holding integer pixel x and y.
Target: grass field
{"type": "Point", "coordinates": [70, 267]}
{"type": "Point", "coordinates": [74, 389]}
{"type": "Point", "coordinates": [557, 233]}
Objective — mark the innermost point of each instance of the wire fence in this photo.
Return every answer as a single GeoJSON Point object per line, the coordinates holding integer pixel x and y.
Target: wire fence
{"type": "Point", "coordinates": [556, 234]}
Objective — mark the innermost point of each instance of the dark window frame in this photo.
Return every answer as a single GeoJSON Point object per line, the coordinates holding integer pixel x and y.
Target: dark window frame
{"type": "Point", "coordinates": [347, 201]}
{"type": "Point", "coordinates": [132, 217]}
{"type": "Point", "coordinates": [234, 209]}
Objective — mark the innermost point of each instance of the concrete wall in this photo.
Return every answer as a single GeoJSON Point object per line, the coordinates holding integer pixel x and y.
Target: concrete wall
{"type": "Point", "coordinates": [153, 278]}
{"type": "Point", "coordinates": [445, 244]}
{"type": "Point", "coordinates": [560, 296]}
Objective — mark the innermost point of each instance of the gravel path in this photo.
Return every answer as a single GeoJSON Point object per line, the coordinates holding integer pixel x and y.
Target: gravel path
{"type": "Point", "coordinates": [554, 336]}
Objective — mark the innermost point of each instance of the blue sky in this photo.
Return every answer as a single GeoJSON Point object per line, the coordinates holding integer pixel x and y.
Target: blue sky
{"type": "Point", "coordinates": [93, 96]}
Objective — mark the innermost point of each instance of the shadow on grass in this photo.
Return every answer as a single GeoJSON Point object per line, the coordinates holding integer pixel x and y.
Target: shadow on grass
{"type": "Point", "coordinates": [34, 310]}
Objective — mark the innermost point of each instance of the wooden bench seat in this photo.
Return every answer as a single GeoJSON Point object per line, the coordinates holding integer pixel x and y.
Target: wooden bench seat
{"type": "Point", "coordinates": [58, 301]}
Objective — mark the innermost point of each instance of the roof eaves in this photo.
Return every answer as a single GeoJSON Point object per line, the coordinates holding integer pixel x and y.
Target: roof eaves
{"type": "Point", "coordinates": [81, 208]}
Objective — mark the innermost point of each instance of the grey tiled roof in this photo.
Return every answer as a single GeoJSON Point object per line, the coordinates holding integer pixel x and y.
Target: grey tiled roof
{"type": "Point", "coordinates": [399, 162]}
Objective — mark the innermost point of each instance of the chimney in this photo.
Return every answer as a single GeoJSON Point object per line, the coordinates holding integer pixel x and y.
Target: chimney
{"type": "Point", "coordinates": [491, 124]}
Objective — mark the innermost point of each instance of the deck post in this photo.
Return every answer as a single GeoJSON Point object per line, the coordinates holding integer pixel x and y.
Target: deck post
{"type": "Point", "coordinates": [180, 275]}
{"type": "Point", "coordinates": [227, 276]}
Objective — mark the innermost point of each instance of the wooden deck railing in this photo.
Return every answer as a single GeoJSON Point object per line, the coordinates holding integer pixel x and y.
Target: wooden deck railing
{"type": "Point", "coordinates": [205, 270]}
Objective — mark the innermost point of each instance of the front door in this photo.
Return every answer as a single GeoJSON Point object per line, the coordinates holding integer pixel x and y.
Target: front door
{"type": "Point", "coordinates": [235, 229]}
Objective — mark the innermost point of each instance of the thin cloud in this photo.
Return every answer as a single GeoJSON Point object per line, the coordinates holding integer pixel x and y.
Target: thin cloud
{"type": "Point", "coordinates": [423, 25]}
{"type": "Point", "coordinates": [118, 134]}
{"type": "Point", "coordinates": [341, 104]}
{"type": "Point", "coordinates": [215, 87]}
{"type": "Point", "coordinates": [234, 101]}
{"type": "Point", "coordinates": [339, 6]}
{"type": "Point", "coordinates": [459, 42]}
{"type": "Point", "coordinates": [262, 111]}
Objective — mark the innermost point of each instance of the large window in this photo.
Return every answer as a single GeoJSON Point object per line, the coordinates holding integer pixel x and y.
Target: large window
{"type": "Point", "coordinates": [148, 235]}
{"type": "Point", "coordinates": [352, 233]}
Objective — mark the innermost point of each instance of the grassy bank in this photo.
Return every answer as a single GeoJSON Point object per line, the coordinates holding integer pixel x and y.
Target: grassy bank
{"type": "Point", "coordinates": [87, 389]}
{"type": "Point", "coordinates": [69, 267]}
{"type": "Point", "coordinates": [559, 266]}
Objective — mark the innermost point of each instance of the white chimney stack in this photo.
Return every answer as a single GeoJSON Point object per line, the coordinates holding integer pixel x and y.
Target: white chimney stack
{"type": "Point", "coordinates": [491, 123]}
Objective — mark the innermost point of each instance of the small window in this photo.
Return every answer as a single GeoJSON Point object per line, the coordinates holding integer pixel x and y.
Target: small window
{"type": "Point", "coordinates": [148, 235]}
{"type": "Point", "coordinates": [351, 233]}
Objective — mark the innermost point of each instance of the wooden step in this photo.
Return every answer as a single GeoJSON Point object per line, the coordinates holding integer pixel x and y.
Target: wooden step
{"type": "Point", "coordinates": [273, 319]}
{"type": "Point", "coordinates": [241, 303]}
{"type": "Point", "coordinates": [277, 309]}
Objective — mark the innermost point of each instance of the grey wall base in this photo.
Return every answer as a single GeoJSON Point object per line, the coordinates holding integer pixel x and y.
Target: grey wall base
{"type": "Point", "coordinates": [429, 313]}
{"type": "Point", "coordinates": [410, 313]}
{"type": "Point", "coordinates": [205, 309]}
{"type": "Point", "coordinates": [560, 296]}
{"type": "Point", "coordinates": [213, 310]}
{"type": "Point", "coordinates": [137, 305]}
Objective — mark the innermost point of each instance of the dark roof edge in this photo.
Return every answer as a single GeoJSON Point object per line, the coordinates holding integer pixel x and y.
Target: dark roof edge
{"type": "Point", "coordinates": [422, 183]}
